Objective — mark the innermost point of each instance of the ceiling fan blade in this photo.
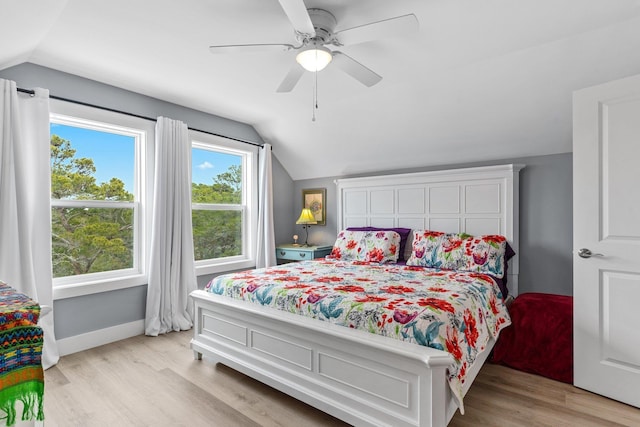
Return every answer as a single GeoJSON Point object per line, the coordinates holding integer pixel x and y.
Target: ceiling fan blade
{"type": "Point", "coordinates": [291, 79]}
{"type": "Point", "coordinates": [297, 13]}
{"type": "Point", "coordinates": [399, 26]}
{"type": "Point", "coordinates": [355, 69]}
{"type": "Point", "coordinates": [249, 48]}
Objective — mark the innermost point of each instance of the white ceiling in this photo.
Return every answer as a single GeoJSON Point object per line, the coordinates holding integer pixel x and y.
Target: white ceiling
{"type": "Point", "coordinates": [481, 80]}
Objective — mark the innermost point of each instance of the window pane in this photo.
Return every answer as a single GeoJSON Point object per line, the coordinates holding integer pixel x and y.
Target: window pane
{"type": "Point", "coordinates": [91, 240]}
{"type": "Point", "coordinates": [216, 234]}
{"type": "Point", "coordinates": [88, 164]}
{"type": "Point", "coordinates": [216, 177]}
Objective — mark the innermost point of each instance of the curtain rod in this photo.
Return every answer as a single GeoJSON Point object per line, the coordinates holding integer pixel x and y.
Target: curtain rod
{"type": "Point", "coordinates": [86, 104]}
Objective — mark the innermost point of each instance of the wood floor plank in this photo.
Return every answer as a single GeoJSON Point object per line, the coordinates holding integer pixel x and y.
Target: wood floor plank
{"type": "Point", "coordinates": [185, 393]}
{"type": "Point", "coordinates": [155, 381]}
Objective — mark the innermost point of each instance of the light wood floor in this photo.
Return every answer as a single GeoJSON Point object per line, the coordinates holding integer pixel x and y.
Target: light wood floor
{"type": "Point", "coordinates": [144, 381]}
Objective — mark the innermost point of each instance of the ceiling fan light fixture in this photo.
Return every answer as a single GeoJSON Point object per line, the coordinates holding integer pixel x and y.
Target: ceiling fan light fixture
{"type": "Point", "coordinates": [314, 58]}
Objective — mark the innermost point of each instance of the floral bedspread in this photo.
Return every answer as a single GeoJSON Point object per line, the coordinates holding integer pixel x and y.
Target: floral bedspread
{"type": "Point", "coordinates": [457, 312]}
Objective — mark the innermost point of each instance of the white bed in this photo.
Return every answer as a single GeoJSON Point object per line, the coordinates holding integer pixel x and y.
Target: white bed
{"type": "Point", "coordinates": [357, 376]}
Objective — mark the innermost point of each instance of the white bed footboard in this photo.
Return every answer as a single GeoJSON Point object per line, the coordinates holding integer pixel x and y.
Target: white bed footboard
{"type": "Point", "coordinates": [361, 378]}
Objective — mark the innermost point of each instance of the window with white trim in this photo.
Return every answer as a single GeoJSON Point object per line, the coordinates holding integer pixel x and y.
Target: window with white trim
{"type": "Point", "coordinates": [223, 196]}
{"type": "Point", "coordinates": [97, 199]}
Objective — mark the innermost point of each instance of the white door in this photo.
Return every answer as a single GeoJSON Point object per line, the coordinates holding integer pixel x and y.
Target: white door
{"type": "Point", "coordinates": [606, 222]}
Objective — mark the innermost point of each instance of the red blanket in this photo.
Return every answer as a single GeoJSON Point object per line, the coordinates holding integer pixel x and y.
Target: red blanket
{"type": "Point", "coordinates": [540, 338]}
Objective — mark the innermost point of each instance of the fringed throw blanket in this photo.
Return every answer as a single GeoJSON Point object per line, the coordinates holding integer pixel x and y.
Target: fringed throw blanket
{"type": "Point", "coordinates": [21, 375]}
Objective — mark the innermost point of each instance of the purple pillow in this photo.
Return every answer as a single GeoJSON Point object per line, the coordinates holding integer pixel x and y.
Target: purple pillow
{"type": "Point", "coordinates": [502, 282]}
{"type": "Point", "coordinates": [403, 232]}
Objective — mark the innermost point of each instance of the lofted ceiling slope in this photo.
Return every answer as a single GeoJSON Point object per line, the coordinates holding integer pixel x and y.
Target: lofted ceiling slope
{"type": "Point", "coordinates": [478, 81]}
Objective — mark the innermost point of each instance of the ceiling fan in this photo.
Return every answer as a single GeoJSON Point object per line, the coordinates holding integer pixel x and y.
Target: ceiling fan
{"type": "Point", "coordinates": [316, 39]}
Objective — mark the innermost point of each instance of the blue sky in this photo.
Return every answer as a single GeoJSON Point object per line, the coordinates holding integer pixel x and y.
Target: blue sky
{"type": "Point", "coordinates": [112, 155]}
{"type": "Point", "coordinates": [206, 165]}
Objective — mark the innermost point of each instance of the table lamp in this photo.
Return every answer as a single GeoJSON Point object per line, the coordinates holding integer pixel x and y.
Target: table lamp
{"type": "Point", "coordinates": [306, 219]}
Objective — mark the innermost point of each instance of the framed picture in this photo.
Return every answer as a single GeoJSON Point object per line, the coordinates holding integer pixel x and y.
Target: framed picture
{"type": "Point", "coordinates": [315, 199]}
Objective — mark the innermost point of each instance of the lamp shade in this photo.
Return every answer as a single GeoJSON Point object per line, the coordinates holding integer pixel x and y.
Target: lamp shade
{"type": "Point", "coordinates": [314, 58]}
{"type": "Point", "coordinates": [306, 217]}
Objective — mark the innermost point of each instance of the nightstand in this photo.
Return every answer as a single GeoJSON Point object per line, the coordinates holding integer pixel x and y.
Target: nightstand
{"type": "Point", "coordinates": [290, 252]}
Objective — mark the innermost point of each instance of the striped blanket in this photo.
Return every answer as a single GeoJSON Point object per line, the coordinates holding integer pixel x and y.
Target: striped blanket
{"type": "Point", "coordinates": [21, 374]}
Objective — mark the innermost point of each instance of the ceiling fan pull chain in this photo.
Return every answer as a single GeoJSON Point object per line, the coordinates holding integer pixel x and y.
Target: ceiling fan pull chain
{"type": "Point", "coordinates": [316, 86]}
{"type": "Point", "coordinates": [315, 97]}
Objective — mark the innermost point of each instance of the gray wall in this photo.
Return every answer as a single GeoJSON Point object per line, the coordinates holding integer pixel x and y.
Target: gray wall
{"type": "Point", "coordinates": [78, 315]}
{"type": "Point", "coordinates": [546, 220]}
{"type": "Point", "coordinates": [283, 203]}
{"type": "Point", "coordinates": [69, 86]}
{"type": "Point", "coordinates": [86, 313]}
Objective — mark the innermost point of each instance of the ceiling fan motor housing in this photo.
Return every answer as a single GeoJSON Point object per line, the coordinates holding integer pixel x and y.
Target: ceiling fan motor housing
{"type": "Point", "coordinates": [324, 23]}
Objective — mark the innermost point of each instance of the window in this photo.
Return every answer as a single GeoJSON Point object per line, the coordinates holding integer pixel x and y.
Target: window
{"type": "Point", "coordinates": [223, 203]}
{"type": "Point", "coordinates": [97, 199]}
{"type": "Point", "coordinates": [102, 190]}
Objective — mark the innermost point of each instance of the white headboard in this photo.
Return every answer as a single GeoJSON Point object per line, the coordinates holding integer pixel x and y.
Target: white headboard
{"type": "Point", "coordinates": [482, 200]}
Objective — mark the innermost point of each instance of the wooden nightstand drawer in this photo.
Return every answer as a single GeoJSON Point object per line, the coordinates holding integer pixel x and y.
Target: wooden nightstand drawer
{"type": "Point", "coordinates": [301, 253]}
{"type": "Point", "coordinates": [294, 254]}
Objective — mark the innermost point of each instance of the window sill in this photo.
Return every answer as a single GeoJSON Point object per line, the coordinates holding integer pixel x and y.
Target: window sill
{"type": "Point", "coordinates": [105, 285]}
{"type": "Point", "coordinates": [224, 267]}
{"type": "Point", "coordinates": [97, 286]}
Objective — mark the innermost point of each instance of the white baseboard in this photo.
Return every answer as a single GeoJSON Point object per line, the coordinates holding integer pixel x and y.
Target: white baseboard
{"type": "Point", "coordinates": [100, 337]}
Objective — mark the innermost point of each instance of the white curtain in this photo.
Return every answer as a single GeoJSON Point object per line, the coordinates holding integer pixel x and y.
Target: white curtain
{"type": "Point", "coordinates": [172, 273]}
{"type": "Point", "coordinates": [266, 246]}
{"type": "Point", "coordinates": [25, 203]}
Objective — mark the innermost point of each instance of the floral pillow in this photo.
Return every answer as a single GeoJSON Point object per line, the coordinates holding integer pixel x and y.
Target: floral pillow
{"type": "Point", "coordinates": [370, 246]}
{"type": "Point", "coordinates": [403, 232]}
{"type": "Point", "coordinates": [424, 242]}
{"type": "Point", "coordinates": [482, 254]}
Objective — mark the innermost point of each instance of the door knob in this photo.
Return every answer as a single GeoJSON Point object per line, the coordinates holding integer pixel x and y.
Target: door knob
{"type": "Point", "coordinates": [586, 253]}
